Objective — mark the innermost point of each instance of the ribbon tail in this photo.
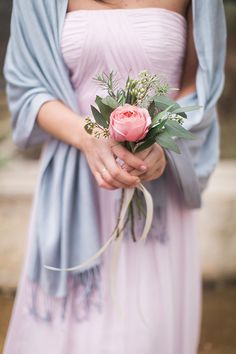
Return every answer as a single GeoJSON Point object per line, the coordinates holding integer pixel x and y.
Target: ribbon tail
{"type": "Point", "coordinates": [149, 214]}
{"type": "Point", "coordinates": [88, 261]}
{"type": "Point", "coordinates": [128, 195]}
{"type": "Point", "coordinates": [127, 199]}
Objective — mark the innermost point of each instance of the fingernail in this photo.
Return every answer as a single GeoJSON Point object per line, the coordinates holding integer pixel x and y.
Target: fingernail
{"type": "Point", "coordinates": [143, 167]}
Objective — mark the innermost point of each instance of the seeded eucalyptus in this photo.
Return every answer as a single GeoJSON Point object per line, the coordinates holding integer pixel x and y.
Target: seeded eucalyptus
{"type": "Point", "coordinates": [93, 128]}
{"type": "Point", "coordinates": [148, 92]}
{"type": "Point", "coordinates": [136, 91]}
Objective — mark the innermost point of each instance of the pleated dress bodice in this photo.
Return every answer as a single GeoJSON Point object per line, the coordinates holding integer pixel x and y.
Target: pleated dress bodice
{"type": "Point", "coordinates": [125, 41]}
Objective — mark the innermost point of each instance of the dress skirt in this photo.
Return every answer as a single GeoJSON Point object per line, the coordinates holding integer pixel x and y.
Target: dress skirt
{"type": "Point", "coordinates": [157, 307]}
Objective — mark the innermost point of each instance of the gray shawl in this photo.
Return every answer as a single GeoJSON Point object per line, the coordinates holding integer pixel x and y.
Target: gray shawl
{"type": "Point", "coordinates": [65, 197]}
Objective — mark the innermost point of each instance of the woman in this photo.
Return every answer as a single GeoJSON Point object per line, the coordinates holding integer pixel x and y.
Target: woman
{"type": "Point", "coordinates": [55, 49]}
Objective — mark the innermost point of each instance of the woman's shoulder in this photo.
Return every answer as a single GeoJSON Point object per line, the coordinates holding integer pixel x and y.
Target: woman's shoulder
{"type": "Point", "coordinates": [35, 5]}
{"type": "Point", "coordinates": [35, 9]}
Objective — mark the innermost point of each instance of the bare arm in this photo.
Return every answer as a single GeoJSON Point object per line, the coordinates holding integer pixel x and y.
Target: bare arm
{"type": "Point", "coordinates": [188, 83]}
{"type": "Point", "coordinates": [154, 156]}
{"type": "Point", "coordinates": [61, 122]}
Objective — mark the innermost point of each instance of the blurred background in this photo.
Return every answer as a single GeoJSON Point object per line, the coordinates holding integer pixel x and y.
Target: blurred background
{"type": "Point", "coordinates": [217, 219]}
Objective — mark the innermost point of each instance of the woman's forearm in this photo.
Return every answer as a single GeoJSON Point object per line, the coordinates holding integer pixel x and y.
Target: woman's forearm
{"type": "Point", "coordinates": [61, 122]}
{"type": "Point", "coordinates": [188, 84]}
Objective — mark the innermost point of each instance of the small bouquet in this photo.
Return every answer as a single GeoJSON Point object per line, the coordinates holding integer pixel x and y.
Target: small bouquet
{"type": "Point", "coordinates": [137, 116]}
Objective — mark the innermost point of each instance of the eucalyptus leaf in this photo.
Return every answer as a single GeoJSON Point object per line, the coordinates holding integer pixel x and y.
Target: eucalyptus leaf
{"type": "Point", "coordinates": [158, 117]}
{"type": "Point", "coordinates": [175, 129]}
{"type": "Point", "coordinates": [161, 124]}
{"type": "Point", "coordinates": [154, 131]}
{"type": "Point", "coordinates": [161, 115]}
{"type": "Point", "coordinates": [186, 109]}
{"type": "Point", "coordinates": [128, 97]}
{"type": "Point", "coordinates": [149, 142]}
{"type": "Point", "coordinates": [99, 117]}
{"type": "Point", "coordinates": [165, 140]}
{"type": "Point", "coordinates": [104, 109]}
{"type": "Point", "coordinates": [151, 109]}
{"type": "Point", "coordinates": [162, 102]}
{"type": "Point", "coordinates": [183, 115]}
{"type": "Point", "coordinates": [110, 101]}
{"type": "Point", "coordinates": [121, 97]}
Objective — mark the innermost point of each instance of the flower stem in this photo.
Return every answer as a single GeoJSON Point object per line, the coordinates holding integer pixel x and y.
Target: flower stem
{"type": "Point", "coordinates": [118, 219]}
{"type": "Point", "coordinates": [132, 221]}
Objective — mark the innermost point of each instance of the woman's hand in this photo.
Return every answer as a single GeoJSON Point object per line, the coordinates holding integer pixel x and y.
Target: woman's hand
{"type": "Point", "coordinates": [101, 156]}
{"type": "Point", "coordinates": [155, 160]}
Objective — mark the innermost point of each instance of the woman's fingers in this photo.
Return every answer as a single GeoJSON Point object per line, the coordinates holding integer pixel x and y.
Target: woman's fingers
{"type": "Point", "coordinates": [115, 175]}
{"type": "Point", "coordinates": [106, 170]}
{"type": "Point", "coordinates": [110, 174]}
{"type": "Point", "coordinates": [101, 182]}
{"type": "Point", "coordinates": [103, 176]}
{"type": "Point", "coordinates": [153, 174]}
{"type": "Point", "coordinates": [129, 158]}
{"type": "Point", "coordinates": [142, 155]}
{"type": "Point", "coordinates": [155, 162]}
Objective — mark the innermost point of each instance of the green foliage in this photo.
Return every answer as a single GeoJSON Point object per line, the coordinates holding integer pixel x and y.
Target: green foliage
{"type": "Point", "coordinates": [108, 82]}
{"type": "Point", "coordinates": [99, 118]}
{"type": "Point", "coordinates": [146, 144]}
{"type": "Point", "coordinates": [105, 109]}
{"type": "Point", "coordinates": [150, 91]}
{"type": "Point", "coordinates": [163, 102]}
{"type": "Point", "coordinates": [111, 102]}
{"type": "Point", "coordinates": [166, 140]}
{"type": "Point", "coordinates": [152, 109]}
{"type": "Point", "coordinates": [186, 109]}
{"type": "Point", "coordinates": [175, 129]}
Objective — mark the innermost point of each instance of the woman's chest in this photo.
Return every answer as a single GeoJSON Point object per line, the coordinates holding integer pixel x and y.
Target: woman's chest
{"type": "Point", "coordinates": [146, 38]}
{"type": "Point", "coordinates": [179, 6]}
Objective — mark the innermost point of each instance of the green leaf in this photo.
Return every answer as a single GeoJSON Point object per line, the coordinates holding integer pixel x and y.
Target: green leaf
{"type": "Point", "coordinates": [161, 124]}
{"type": "Point", "coordinates": [149, 142]}
{"type": "Point", "coordinates": [153, 132]}
{"type": "Point", "coordinates": [128, 98]}
{"type": "Point", "coordinates": [162, 102]}
{"type": "Point", "coordinates": [99, 117]}
{"type": "Point", "coordinates": [161, 115]}
{"type": "Point", "coordinates": [120, 95]}
{"type": "Point", "coordinates": [110, 101]}
{"type": "Point", "coordinates": [186, 109]}
{"type": "Point", "coordinates": [166, 141]}
{"type": "Point", "coordinates": [104, 109]}
{"type": "Point", "coordinates": [175, 129]}
{"type": "Point", "coordinates": [152, 108]}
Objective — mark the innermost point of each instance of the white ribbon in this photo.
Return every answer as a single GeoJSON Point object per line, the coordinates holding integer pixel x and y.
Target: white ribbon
{"type": "Point", "coordinates": [128, 195]}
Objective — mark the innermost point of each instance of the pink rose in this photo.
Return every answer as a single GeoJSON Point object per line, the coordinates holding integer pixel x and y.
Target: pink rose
{"type": "Point", "coordinates": [129, 123]}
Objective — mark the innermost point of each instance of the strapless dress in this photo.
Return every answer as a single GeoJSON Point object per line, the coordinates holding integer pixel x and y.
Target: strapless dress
{"type": "Point", "coordinates": [158, 284]}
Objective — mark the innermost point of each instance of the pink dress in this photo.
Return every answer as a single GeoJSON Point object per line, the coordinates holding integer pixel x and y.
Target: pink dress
{"type": "Point", "coordinates": [158, 284]}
